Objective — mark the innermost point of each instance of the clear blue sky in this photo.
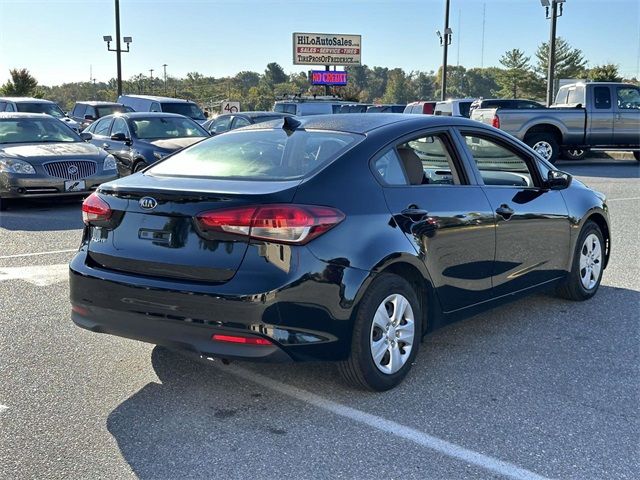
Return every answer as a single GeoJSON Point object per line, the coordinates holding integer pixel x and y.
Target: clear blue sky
{"type": "Point", "coordinates": [58, 40]}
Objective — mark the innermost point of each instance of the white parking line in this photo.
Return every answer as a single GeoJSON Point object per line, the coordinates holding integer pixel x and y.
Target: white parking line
{"type": "Point", "coordinates": [39, 253]}
{"type": "Point", "coordinates": [40, 276]}
{"type": "Point", "coordinates": [622, 199]}
{"type": "Point", "coordinates": [442, 446]}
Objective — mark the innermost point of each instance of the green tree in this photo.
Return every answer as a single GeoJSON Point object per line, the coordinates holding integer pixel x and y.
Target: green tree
{"type": "Point", "coordinates": [457, 81]}
{"type": "Point", "coordinates": [570, 62]}
{"type": "Point", "coordinates": [604, 73]}
{"type": "Point", "coordinates": [422, 86]}
{"type": "Point", "coordinates": [21, 84]}
{"type": "Point", "coordinates": [274, 74]}
{"type": "Point", "coordinates": [482, 82]}
{"type": "Point", "coordinates": [516, 71]}
{"type": "Point", "coordinates": [396, 90]}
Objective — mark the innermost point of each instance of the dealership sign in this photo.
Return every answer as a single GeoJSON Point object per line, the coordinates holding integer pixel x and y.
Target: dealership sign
{"type": "Point", "coordinates": [322, 77]}
{"type": "Point", "coordinates": [326, 49]}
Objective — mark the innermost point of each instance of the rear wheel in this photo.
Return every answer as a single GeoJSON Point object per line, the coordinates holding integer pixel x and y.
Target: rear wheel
{"type": "Point", "coordinates": [574, 153]}
{"type": "Point", "coordinates": [588, 264]}
{"type": "Point", "coordinates": [545, 145]}
{"type": "Point", "coordinates": [386, 335]}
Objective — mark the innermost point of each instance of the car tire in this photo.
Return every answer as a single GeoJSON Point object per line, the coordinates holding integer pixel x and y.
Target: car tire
{"type": "Point", "coordinates": [139, 165]}
{"type": "Point", "coordinates": [587, 267]}
{"type": "Point", "coordinates": [574, 153]}
{"type": "Point", "coordinates": [376, 312]}
{"type": "Point", "coordinates": [637, 155]}
{"type": "Point", "coordinates": [545, 144]}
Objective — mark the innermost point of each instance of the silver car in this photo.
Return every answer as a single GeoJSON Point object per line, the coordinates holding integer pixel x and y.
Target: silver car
{"type": "Point", "coordinates": [40, 157]}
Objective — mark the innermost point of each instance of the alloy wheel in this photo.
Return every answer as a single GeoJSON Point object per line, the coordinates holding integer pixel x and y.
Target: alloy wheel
{"type": "Point", "coordinates": [544, 149]}
{"type": "Point", "coordinates": [392, 334]}
{"type": "Point", "coordinates": [590, 261]}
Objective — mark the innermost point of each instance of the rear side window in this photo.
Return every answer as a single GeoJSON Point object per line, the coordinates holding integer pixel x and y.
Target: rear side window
{"type": "Point", "coordinates": [258, 155]}
{"type": "Point", "coordinates": [602, 98]}
{"type": "Point", "coordinates": [389, 170]}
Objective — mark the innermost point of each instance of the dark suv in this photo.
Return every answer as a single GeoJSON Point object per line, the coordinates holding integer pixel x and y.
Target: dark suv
{"type": "Point", "coordinates": [85, 113]}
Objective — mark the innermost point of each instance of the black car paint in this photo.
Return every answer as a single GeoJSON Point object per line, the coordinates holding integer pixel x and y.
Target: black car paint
{"type": "Point", "coordinates": [134, 153]}
{"type": "Point", "coordinates": [304, 298]}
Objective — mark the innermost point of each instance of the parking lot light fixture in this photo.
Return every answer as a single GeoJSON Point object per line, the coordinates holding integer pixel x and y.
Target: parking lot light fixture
{"type": "Point", "coordinates": [445, 41]}
{"type": "Point", "coordinates": [556, 7]}
{"type": "Point", "coordinates": [118, 49]}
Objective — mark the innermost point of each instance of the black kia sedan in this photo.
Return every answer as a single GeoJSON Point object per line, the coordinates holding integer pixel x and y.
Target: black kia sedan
{"type": "Point", "coordinates": [138, 139]}
{"type": "Point", "coordinates": [341, 238]}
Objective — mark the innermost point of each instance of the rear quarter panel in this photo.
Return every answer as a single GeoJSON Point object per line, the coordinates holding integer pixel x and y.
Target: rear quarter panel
{"type": "Point", "coordinates": [570, 122]}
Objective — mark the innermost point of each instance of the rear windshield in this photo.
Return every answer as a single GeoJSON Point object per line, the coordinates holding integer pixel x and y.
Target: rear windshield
{"type": "Point", "coordinates": [190, 110]}
{"type": "Point", "coordinates": [105, 110]}
{"type": "Point", "coordinates": [258, 155]}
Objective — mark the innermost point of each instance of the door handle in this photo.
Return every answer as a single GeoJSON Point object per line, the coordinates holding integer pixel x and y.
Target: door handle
{"type": "Point", "coordinates": [414, 213]}
{"type": "Point", "coordinates": [505, 211]}
{"type": "Point", "coordinates": [105, 146]}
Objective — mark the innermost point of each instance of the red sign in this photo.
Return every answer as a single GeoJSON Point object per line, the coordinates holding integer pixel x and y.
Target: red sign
{"type": "Point", "coordinates": [323, 77]}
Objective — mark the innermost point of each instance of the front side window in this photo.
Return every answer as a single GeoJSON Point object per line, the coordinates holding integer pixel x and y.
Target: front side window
{"type": "Point", "coordinates": [120, 126]}
{"type": "Point", "coordinates": [240, 122]}
{"type": "Point", "coordinates": [273, 155]}
{"type": "Point", "coordinates": [166, 127]}
{"type": "Point", "coordinates": [628, 98]}
{"type": "Point", "coordinates": [221, 125]}
{"type": "Point", "coordinates": [497, 164]}
{"type": "Point", "coordinates": [427, 160]}
{"type": "Point", "coordinates": [27, 130]}
{"type": "Point", "coordinates": [602, 98]}
{"type": "Point", "coordinates": [102, 127]}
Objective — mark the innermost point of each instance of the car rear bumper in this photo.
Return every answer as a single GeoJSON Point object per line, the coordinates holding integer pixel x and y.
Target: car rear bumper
{"type": "Point", "coordinates": [37, 186]}
{"type": "Point", "coordinates": [308, 316]}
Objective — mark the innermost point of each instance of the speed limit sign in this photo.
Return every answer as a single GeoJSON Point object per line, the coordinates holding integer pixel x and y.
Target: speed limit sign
{"type": "Point", "coordinates": [230, 107]}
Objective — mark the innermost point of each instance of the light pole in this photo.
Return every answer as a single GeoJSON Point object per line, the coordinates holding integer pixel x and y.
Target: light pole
{"type": "Point", "coordinates": [553, 16]}
{"type": "Point", "coordinates": [151, 81]}
{"type": "Point", "coordinates": [445, 41]}
{"type": "Point", "coordinates": [164, 66]}
{"type": "Point", "coordinates": [118, 49]}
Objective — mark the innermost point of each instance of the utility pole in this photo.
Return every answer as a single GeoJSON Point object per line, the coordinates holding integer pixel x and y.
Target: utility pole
{"type": "Point", "coordinates": [553, 16]}
{"type": "Point", "coordinates": [151, 82]}
{"type": "Point", "coordinates": [445, 41]}
{"type": "Point", "coordinates": [164, 66]}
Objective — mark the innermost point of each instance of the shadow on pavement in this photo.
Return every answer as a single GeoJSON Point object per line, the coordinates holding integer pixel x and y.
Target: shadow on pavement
{"type": "Point", "coordinates": [543, 377]}
{"type": "Point", "coordinates": [43, 215]}
{"type": "Point", "coordinates": [599, 167]}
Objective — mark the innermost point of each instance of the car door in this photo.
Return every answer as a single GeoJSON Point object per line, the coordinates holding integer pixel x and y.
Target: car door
{"type": "Point", "coordinates": [600, 117]}
{"type": "Point", "coordinates": [532, 222]}
{"type": "Point", "coordinates": [100, 132]}
{"type": "Point", "coordinates": [446, 217]}
{"type": "Point", "coordinates": [121, 149]}
{"type": "Point", "coordinates": [626, 126]}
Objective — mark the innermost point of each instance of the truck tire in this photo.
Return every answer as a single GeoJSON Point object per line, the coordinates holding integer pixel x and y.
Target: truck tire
{"type": "Point", "coordinates": [545, 144]}
{"type": "Point", "coordinates": [574, 153]}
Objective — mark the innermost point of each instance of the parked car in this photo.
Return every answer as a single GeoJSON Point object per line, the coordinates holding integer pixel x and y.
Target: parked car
{"type": "Point", "coordinates": [37, 105]}
{"type": "Point", "coordinates": [307, 107]}
{"type": "Point", "coordinates": [598, 115]}
{"type": "Point", "coordinates": [510, 103]}
{"type": "Point", "coordinates": [336, 237]}
{"type": "Point", "coordinates": [40, 157]}
{"type": "Point", "coordinates": [85, 113]}
{"type": "Point", "coordinates": [389, 108]}
{"type": "Point", "coordinates": [422, 107]}
{"type": "Point", "coordinates": [354, 108]}
{"type": "Point", "coordinates": [150, 103]}
{"type": "Point", "coordinates": [454, 108]}
{"type": "Point", "coordinates": [138, 139]}
{"type": "Point", "coordinates": [231, 121]}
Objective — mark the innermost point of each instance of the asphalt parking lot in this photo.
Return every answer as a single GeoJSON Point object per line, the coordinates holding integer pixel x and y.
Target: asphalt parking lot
{"type": "Point", "coordinates": [543, 388]}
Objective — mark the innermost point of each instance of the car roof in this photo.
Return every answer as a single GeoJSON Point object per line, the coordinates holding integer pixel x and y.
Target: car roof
{"type": "Point", "coordinates": [365, 122]}
{"type": "Point", "coordinates": [145, 115]}
{"type": "Point", "coordinates": [25, 115]}
{"type": "Point", "coordinates": [26, 99]}
{"type": "Point", "coordinates": [97, 103]}
{"type": "Point", "coordinates": [159, 99]}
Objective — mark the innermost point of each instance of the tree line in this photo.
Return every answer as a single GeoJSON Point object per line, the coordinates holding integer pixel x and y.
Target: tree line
{"type": "Point", "coordinates": [517, 77]}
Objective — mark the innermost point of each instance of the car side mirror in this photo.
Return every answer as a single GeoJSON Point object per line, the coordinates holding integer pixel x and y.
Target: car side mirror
{"type": "Point", "coordinates": [89, 117]}
{"type": "Point", "coordinates": [120, 137]}
{"type": "Point", "coordinates": [86, 136]}
{"type": "Point", "coordinates": [557, 180]}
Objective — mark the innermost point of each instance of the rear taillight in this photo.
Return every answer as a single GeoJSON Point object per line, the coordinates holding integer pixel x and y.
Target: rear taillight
{"type": "Point", "coordinates": [95, 209]}
{"type": "Point", "coordinates": [496, 121]}
{"type": "Point", "coordinates": [296, 224]}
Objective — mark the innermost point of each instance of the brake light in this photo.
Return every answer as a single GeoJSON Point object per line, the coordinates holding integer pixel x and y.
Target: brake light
{"type": "Point", "coordinates": [95, 209]}
{"type": "Point", "coordinates": [241, 340]}
{"type": "Point", "coordinates": [295, 224]}
{"type": "Point", "coordinates": [496, 121]}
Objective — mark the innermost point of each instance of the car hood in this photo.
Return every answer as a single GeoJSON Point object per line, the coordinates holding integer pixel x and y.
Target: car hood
{"type": "Point", "coordinates": [41, 152]}
{"type": "Point", "coordinates": [172, 144]}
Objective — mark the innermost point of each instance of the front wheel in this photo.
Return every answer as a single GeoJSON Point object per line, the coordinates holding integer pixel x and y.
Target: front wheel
{"type": "Point", "coordinates": [588, 264]}
{"type": "Point", "coordinates": [545, 145]}
{"type": "Point", "coordinates": [574, 153]}
{"type": "Point", "coordinates": [386, 335]}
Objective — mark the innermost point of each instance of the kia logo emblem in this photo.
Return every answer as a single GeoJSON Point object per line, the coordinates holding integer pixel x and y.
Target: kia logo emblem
{"type": "Point", "coordinates": [148, 203]}
{"type": "Point", "coordinates": [72, 169]}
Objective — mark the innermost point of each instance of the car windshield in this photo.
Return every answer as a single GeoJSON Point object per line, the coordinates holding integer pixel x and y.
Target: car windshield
{"type": "Point", "coordinates": [258, 155]}
{"type": "Point", "coordinates": [105, 110]}
{"type": "Point", "coordinates": [190, 110]}
{"type": "Point", "coordinates": [166, 127]}
{"type": "Point", "coordinates": [40, 107]}
{"type": "Point", "coordinates": [30, 130]}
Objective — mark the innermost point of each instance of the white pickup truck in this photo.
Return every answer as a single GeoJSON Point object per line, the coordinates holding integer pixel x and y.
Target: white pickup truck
{"type": "Point", "coordinates": [585, 116]}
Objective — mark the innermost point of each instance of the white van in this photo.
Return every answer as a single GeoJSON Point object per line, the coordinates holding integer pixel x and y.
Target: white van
{"type": "Point", "coordinates": [459, 107]}
{"type": "Point", "coordinates": [150, 103]}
